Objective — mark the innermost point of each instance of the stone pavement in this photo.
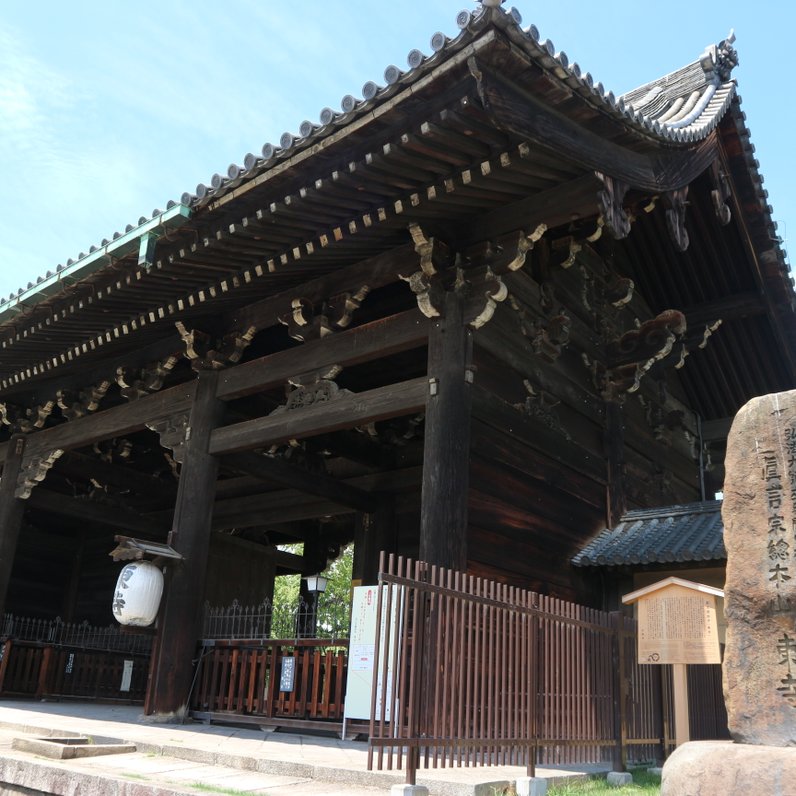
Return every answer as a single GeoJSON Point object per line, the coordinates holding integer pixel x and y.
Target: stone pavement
{"type": "Point", "coordinates": [172, 759]}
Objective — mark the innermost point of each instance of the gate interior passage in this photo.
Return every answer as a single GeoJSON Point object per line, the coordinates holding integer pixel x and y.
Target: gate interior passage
{"type": "Point", "coordinates": [473, 672]}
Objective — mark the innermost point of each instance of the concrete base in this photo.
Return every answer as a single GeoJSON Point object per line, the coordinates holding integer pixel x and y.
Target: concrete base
{"type": "Point", "coordinates": [408, 790]}
{"type": "Point", "coordinates": [618, 779]}
{"type": "Point", "coordinates": [531, 786]}
{"type": "Point", "coordinates": [723, 768]}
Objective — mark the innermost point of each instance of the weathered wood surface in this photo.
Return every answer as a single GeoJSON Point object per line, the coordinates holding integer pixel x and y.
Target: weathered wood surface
{"type": "Point", "coordinates": [371, 341]}
{"type": "Point", "coordinates": [114, 422]}
{"type": "Point", "coordinates": [522, 113]}
{"type": "Point", "coordinates": [12, 510]}
{"type": "Point", "coordinates": [180, 617]}
{"type": "Point", "coordinates": [443, 513]}
{"type": "Point", "coordinates": [279, 471]}
{"type": "Point", "coordinates": [344, 412]}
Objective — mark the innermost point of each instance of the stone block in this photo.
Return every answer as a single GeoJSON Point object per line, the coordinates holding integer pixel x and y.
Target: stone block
{"type": "Point", "coordinates": [618, 779]}
{"type": "Point", "coordinates": [723, 768]}
{"type": "Point", "coordinates": [759, 514]}
{"type": "Point", "coordinates": [408, 790]}
{"type": "Point", "coordinates": [531, 786]}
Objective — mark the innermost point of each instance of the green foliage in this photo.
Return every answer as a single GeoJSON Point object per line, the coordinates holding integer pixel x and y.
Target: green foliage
{"type": "Point", "coordinates": [644, 784]}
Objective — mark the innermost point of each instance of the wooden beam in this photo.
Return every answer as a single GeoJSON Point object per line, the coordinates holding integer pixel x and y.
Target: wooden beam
{"type": "Point", "coordinates": [373, 340]}
{"type": "Point", "coordinates": [114, 422]}
{"type": "Point", "coordinates": [524, 114]}
{"type": "Point", "coordinates": [279, 471]}
{"type": "Point", "coordinates": [79, 465]}
{"type": "Point", "coordinates": [112, 517]}
{"type": "Point", "coordinates": [729, 308]}
{"type": "Point", "coordinates": [393, 400]}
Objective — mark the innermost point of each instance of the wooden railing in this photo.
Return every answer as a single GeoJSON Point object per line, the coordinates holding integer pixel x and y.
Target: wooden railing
{"type": "Point", "coordinates": [37, 669]}
{"type": "Point", "coordinates": [473, 672]}
{"type": "Point", "coordinates": [294, 682]}
{"type": "Point", "coordinates": [51, 658]}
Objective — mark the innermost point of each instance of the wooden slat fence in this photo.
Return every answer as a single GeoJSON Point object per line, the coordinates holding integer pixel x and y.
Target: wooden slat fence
{"type": "Point", "coordinates": [473, 672]}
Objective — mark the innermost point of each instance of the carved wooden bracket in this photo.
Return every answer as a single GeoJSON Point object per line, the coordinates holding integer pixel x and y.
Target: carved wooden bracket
{"type": "Point", "coordinates": [135, 383]}
{"type": "Point", "coordinates": [33, 471]}
{"type": "Point", "coordinates": [435, 255]}
{"type": "Point", "coordinates": [675, 203]}
{"type": "Point", "coordinates": [228, 350]}
{"type": "Point", "coordinates": [616, 219]}
{"type": "Point", "coordinates": [631, 357]}
{"type": "Point", "coordinates": [565, 251]}
{"type": "Point", "coordinates": [483, 291]}
{"type": "Point", "coordinates": [75, 405]}
{"type": "Point", "coordinates": [721, 193]}
{"type": "Point", "coordinates": [312, 388]}
{"type": "Point", "coordinates": [538, 405]}
{"type": "Point", "coordinates": [174, 432]}
{"type": "Point", "coordinates": [25, 420]}
{"type": "Point", "coordinates": [305, 323]}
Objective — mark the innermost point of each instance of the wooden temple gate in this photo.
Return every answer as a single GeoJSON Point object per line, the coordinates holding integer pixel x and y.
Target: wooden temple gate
{"type": "Point", "coordinates": [451, 322]}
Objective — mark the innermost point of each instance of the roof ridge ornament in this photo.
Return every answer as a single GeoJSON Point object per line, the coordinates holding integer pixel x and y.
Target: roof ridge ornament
{"type": "Point", "coordinates": [720, 59]}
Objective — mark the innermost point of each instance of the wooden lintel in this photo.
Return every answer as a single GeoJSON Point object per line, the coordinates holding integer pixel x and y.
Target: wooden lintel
{"type": "Point", "coordinates": [373, 340]}
{"type": "Point", "coordinates": [279, 471]}
{"type": "Point", "coordinates": [289, 561]}
{"type": "Point", "coordinates": [114, 422]}
{"type": "Point", "coordinates": [347, 411]}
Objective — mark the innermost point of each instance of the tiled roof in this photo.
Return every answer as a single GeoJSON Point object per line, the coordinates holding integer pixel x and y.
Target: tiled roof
{"type": "Point", "coordinates": [682, 107]}
{"type": "Point", "coordinates": [674, 534]}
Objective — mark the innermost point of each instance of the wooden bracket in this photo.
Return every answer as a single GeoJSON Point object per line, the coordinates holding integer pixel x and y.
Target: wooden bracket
{"type": "Point", "coordinates": [75, 405]}
{"type": "Point", "coordinates": [610, 199]}
{"type": "Point", "coordinates": [538, 406]}
{"type": "Point", "coordinates": [305, 322]}
{"type": "Point", "coordinates": [24, 421]}
{"type": "Point", "coordinates": [173, 432]}
{"type": "Point", "coordinates": [199, 350]}
{"type": "Point", "coordinates": [311, 388]}
{"type": "Point", "coordinates": [720, 193]}
{"type": "Point", "coordinates": [33, 471]}
{"type": "Point", "coordinates": [675, 204]}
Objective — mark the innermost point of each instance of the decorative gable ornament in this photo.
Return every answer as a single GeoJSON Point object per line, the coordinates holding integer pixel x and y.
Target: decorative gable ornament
{"type": "Point", "coordinates": [136, 598]}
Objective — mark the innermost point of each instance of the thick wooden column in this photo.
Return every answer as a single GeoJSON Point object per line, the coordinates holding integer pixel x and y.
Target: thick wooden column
{"type": "Point", "coordinates": [446, 455]}
{"type": "Point", "coordinates": [12, 510]}
{"type": "Point", "coordinates": [180, 618]}
{"type": "Point", "coordinates": [372, 534]}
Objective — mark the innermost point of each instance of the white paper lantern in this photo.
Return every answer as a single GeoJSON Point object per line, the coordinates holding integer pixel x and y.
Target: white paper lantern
{"type": "Point", "coordinates": [137, 595]}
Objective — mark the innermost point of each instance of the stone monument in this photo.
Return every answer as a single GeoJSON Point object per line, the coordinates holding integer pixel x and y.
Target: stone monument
{"type": "Point", "coordinates": [759, 515]}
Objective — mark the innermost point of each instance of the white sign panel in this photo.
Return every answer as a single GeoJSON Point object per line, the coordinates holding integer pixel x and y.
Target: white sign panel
{"type": "Point", "coordinates": [362, 651]}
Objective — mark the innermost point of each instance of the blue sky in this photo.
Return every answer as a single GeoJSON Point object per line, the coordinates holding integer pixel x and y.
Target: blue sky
{"type": "Point", "coordinates": [109, 109]}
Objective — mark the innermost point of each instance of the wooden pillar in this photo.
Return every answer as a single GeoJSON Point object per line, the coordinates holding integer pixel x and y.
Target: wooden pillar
{"type": "Point", "coordinates": [446, 454]}
{"type": "Point", "coordinates": [12, 510]}
{"type": "Point", "coordinates": [179, 623]}
{"type": "Point", "coordinates": [614, 444]}
{"type": "Point", "coordinates": [372, 534]}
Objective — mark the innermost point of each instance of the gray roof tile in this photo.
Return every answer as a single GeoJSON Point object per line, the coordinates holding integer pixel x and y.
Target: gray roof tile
{"type": "Point", "coordinates": [674, 534]}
